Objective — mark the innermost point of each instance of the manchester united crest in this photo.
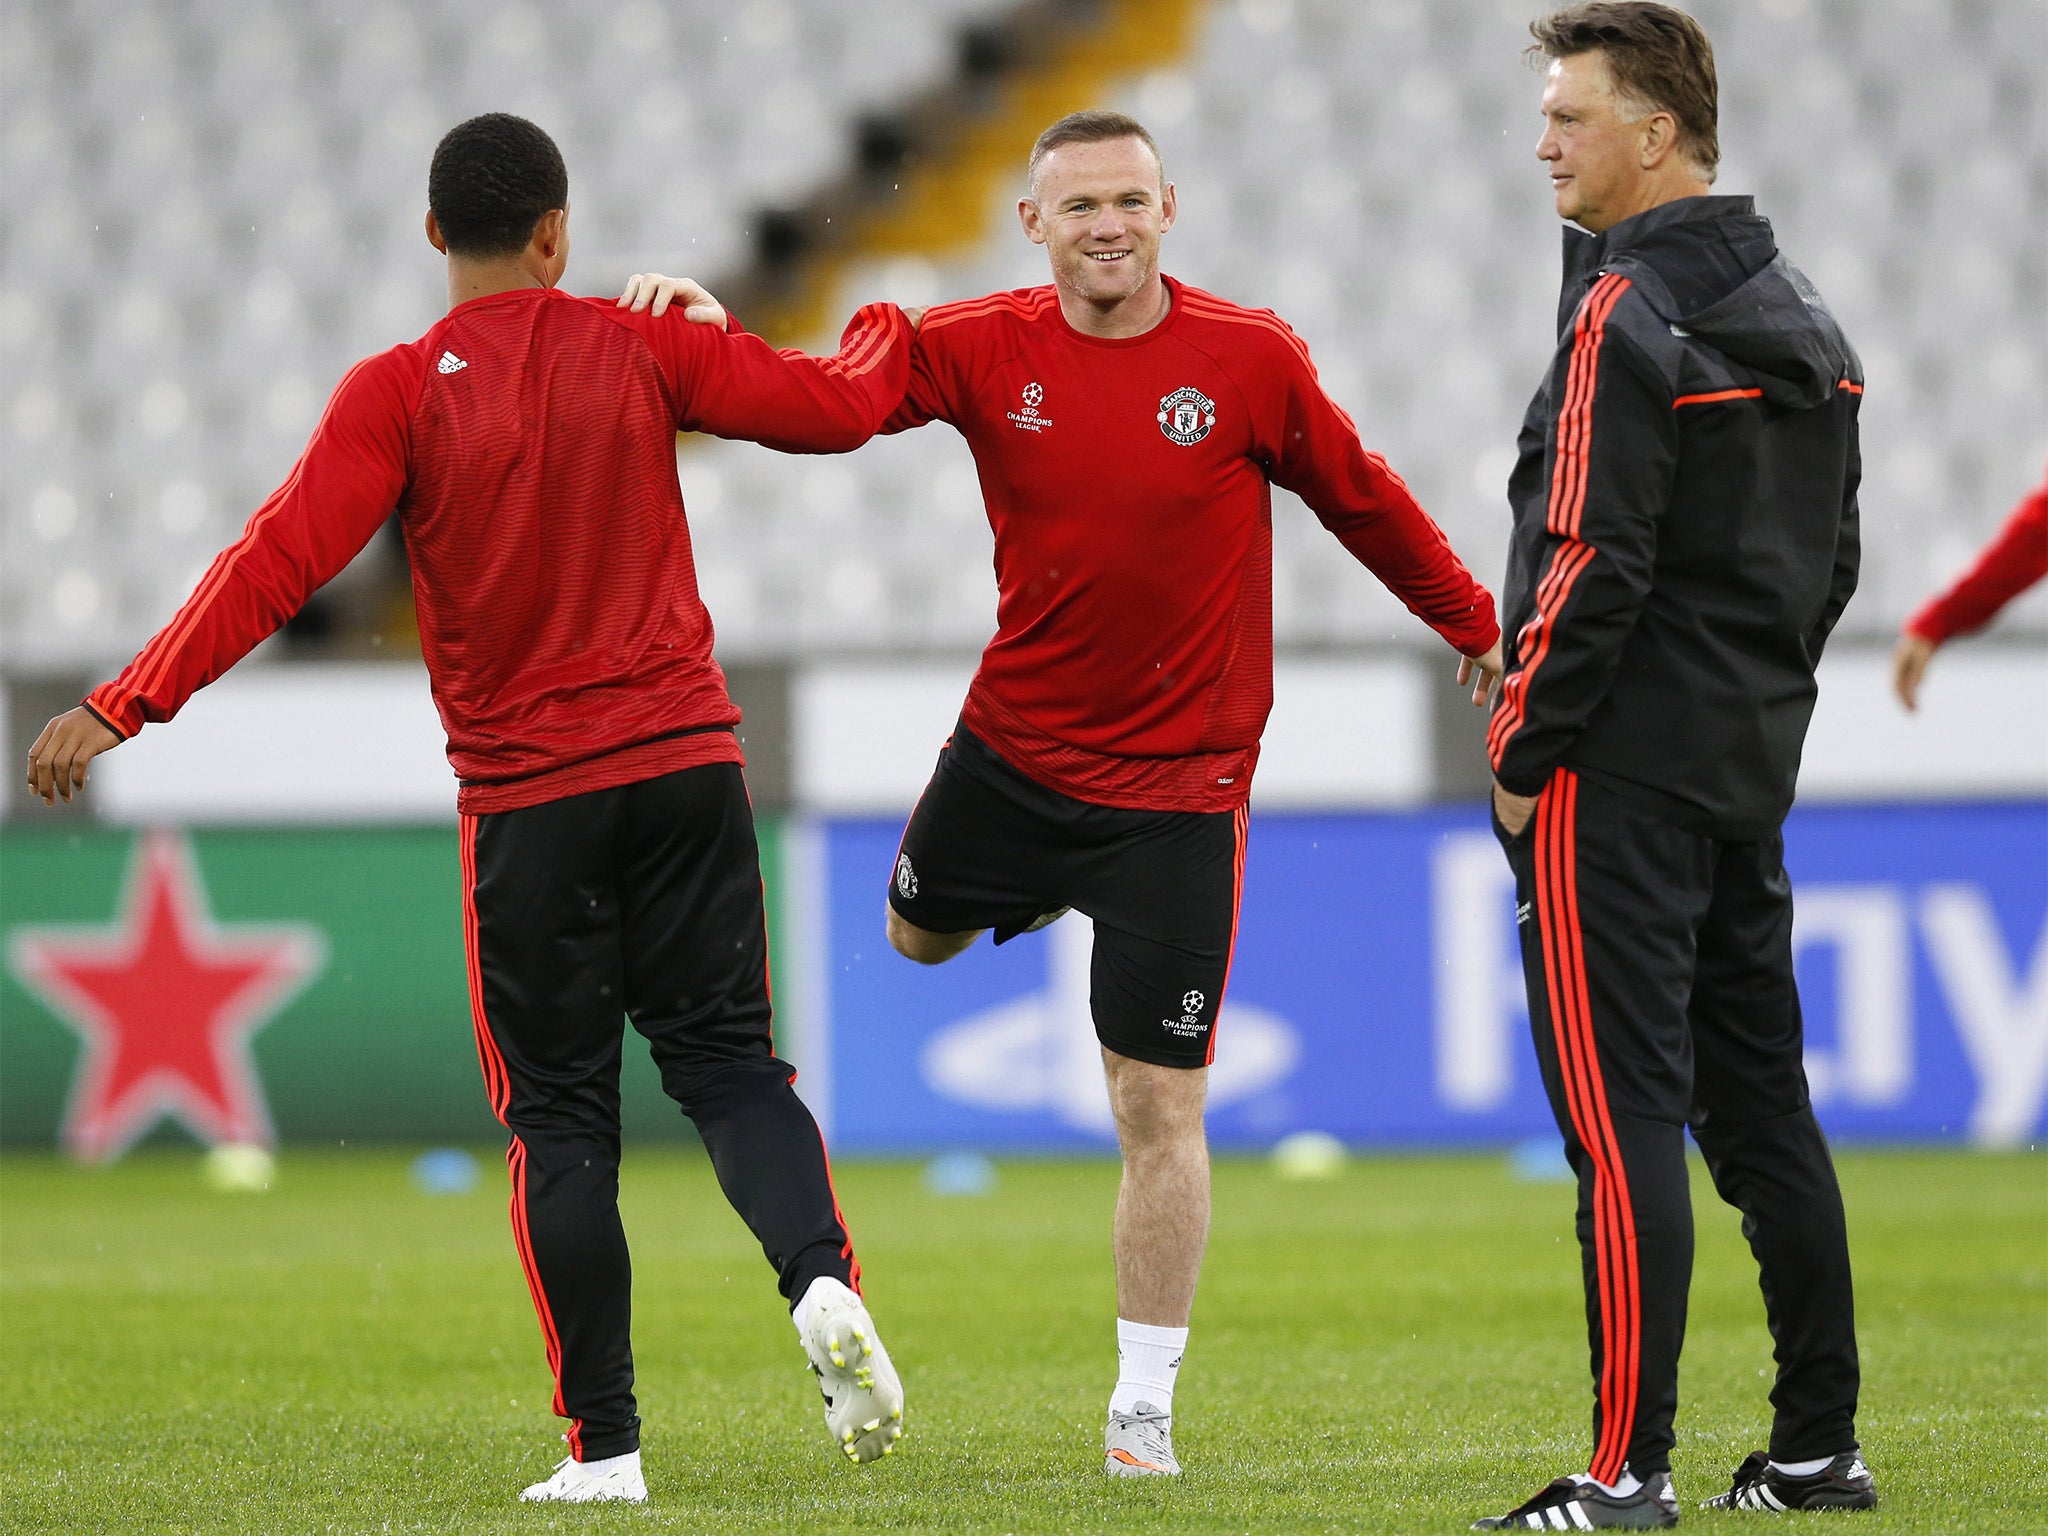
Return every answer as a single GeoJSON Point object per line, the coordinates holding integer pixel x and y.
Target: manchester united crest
{"type": "Point", "coordinates": [1186, 415]}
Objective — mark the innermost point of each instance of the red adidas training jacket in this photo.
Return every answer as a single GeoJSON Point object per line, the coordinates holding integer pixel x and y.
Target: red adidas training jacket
{"type": "Point", "coordinates": [527, 443]}
{"type": "Point", "coordinates": [1129, 484]}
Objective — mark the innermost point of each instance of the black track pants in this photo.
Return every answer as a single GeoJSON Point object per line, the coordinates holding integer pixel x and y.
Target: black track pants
{"type": "Point", "coordinates": [1661, 995]}
{"type": "Point", "coordinates": [642, 903]}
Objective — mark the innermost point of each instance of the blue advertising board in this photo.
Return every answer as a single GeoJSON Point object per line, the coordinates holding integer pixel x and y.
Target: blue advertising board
{"type": "Point", "coordinates": [1377, 994]}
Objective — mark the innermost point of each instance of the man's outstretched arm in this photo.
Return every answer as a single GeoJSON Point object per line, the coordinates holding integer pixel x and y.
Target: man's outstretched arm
{"type": "Point", "coordinates": [57, 762]}
{"type": "Point", "coordinates": [337, 497]}
{"type": "Point", "coordinates": [654, 293]}
{"type": "Point", "coordinates": [1315, 452]}
{"type": "Point", "coordinates": [2013, 561]}
{"type": "Point", "coordinates": [732, 384]}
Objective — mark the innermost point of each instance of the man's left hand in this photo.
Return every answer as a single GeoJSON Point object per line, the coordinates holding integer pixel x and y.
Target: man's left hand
{"type": "Point", "coordinates": [1488, 668]}
{"type": "Point", "coordinates": [1909, 664]}
{"type": "Point", "coordinates": [57, 762]}
{"type": "Point", "coordinates": [654, 293]}
{"type": "Point", "coordinates": [1514, 811]}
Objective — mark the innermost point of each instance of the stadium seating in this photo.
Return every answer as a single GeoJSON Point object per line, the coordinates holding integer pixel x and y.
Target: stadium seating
{"type": "Point", "coordinates": [1368, 172]}
{"type": "Point", "coordinates": [217, 211]}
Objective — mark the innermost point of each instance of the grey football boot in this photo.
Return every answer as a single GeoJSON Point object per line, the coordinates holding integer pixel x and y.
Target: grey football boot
{"type": "Point", "coordinates": [1139, 1443]}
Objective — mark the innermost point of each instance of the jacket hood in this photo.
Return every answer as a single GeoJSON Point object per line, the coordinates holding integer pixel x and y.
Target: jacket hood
{"type": "Point", "coordinates": [1719, 278]}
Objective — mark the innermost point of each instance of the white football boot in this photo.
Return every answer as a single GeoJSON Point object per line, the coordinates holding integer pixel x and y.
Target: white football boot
{"type": "Point", "coordinates": [863, 1397]}
{"type": "Point", "coordinates": [592, 1482]}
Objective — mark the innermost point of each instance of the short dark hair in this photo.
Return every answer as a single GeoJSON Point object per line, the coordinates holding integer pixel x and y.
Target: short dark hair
{"type": "Point", "coordinates": [1092, 128]}
{"type": "Point", "coordinates": [491, 180]}
{"type": "Point", "coordinates": [1660, 58]}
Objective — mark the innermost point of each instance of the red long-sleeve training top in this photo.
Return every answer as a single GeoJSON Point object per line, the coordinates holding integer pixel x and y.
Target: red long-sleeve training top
{"type": "Point", "coordinates": [1128, 483]}
{"type": "Point", "coordinates": [527, 443]}
{"type": "Point", "coordinates": [2006, 567]}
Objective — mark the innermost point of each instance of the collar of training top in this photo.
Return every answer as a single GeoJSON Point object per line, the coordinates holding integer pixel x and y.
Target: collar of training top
{"type": "Point", "coordinates": [1584, 254]}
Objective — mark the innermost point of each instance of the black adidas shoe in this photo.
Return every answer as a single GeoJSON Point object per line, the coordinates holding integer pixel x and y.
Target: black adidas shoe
{"type": "Point", "coordinates": [1844, 1483]}
{"type": "Point", "coordinates": [1573, 1504]}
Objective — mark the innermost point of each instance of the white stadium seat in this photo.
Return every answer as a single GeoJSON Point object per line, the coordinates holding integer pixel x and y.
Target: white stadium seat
{"type": "Point", "coordinates": [218, 208]}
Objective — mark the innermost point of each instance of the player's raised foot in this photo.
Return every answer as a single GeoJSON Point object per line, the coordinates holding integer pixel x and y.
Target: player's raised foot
{"type": "Point", "coordinates": [1844, 1483]}
{"type": "Point", "coordinates": [863, 1397]}
{"type": "Point", "coordinates": [592, 1482]}
{"type": "Point", "coordinates": [1580, 1504]}
{"type": "Point", "coordinates": [1139, 1443]}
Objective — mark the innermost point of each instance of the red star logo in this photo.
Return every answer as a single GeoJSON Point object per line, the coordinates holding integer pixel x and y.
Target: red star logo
{"type": "Point", "coordinates": [165, 1002]}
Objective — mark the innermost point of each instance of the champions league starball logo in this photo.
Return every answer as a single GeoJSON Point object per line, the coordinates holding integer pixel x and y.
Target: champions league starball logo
{"type": "Point", "coordinates": [1029, 419]}
{"type": "Point", "coordinates": [1186, 416]}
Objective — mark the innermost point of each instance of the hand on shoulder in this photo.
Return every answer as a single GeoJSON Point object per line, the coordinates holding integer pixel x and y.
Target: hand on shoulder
{"type": "Point", "coordinates": [652, 292]}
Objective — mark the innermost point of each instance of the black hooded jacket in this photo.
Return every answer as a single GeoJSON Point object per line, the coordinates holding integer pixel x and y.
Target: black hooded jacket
{"type": "Point", "coordinates": [1685, 521]}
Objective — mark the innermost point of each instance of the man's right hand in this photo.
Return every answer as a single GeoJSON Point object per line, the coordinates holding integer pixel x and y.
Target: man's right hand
{"type": "Point", "coordinates": [57, 762]}
{"type": "Point", "coordinates": [1909, 664]}
{"type": "Point", "coordinates": [653, 292]}
{"type": "Point", "coordinates": [1514, 811]}
{"type": "Point", "coordinates": [1482, 672]}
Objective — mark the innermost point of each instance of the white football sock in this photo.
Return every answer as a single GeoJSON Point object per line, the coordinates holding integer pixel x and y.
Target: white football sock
{"type": "Point", "coordinates": [820, 1289]}
{"type": "Point", "coordinates": [1801, 1468]}
{"type": "Point", "coordinates": [1627, 1484]}
{"type": "Point", "coordinates": [1148, 1359]}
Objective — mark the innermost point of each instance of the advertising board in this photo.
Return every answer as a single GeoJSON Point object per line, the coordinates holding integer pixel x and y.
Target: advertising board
{"type": "Point", "coordinates": [1377, 994]}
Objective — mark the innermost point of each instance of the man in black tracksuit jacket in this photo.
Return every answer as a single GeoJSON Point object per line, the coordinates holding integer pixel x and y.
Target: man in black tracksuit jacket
{"type": "Point", "coordinates": [1685, 539]}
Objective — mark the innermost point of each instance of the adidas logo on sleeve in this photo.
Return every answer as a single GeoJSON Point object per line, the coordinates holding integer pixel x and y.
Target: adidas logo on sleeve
{"type": "Point", "coordinates": [450, 363]}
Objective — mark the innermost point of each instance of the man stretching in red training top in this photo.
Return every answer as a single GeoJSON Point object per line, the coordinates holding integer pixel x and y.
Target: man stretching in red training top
{"type": "Point", "coordinates": [1127, 428]}
{"type": "Point", "coordinates": [609, 865]}
{"type": "Point", "coordinates": [2007, 566]}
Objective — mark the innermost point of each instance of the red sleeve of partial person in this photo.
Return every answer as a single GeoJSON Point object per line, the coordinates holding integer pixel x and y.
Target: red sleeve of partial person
{"type": "Point", "coordinates": [733, 384]}
{"type": "Point", "coordinates": [1316, 453]}
{"type": "Point", "coordinates": [2007, 566]}
{"type": "Point", "coordinates": [340, 492]}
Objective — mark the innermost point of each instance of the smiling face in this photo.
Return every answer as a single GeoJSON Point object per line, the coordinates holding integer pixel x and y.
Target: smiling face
{"type": "Point", "coordinates": [1596, 144]}
{"type": "Point", "coordinates": [1099, 210]}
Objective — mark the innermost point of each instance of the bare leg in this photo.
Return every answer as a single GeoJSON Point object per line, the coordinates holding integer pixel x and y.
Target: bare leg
{"type": "Point", "coordinates": [924, 946]}
{"type": "Point", "coordinates": [1162, 1207]}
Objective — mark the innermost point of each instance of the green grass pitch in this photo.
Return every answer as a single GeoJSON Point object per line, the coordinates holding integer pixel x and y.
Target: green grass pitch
{"type": "Point", "coordinates": [1399, 1349]}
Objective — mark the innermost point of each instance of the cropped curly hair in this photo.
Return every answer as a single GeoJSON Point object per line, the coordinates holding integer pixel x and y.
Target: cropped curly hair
{"type": "Point", "coordinates": [491, 180]}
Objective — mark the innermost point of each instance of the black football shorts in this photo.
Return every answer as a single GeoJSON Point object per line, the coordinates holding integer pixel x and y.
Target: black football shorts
{"type": "Point", "coordinates": [989, 848]}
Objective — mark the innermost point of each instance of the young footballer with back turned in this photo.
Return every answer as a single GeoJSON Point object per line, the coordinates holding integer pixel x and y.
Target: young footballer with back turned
{"type": "Point", "coordinates": [609, 868]}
